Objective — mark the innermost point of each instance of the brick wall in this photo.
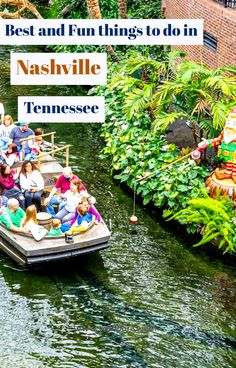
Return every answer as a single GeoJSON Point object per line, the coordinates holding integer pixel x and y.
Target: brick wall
{"type": "Point", "coordinates": [219, 21]}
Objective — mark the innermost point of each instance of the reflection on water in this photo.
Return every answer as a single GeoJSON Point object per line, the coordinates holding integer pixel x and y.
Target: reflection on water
{"type": "Point", "coordinates": [147, 301]}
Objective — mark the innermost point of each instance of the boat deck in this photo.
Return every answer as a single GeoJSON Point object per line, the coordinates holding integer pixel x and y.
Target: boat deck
{"type": "Point", "coordinates": [25, 250]}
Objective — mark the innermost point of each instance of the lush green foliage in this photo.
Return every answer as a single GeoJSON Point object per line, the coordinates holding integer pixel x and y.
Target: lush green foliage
{"type": "Point", "coordinates": [146, 9]}
{"type": "Point", "coordinates": [198, 94]}
{"type": "Point", "coordinates": [203, 95]}
{"type": "Point", "coordinates": [216, 218]}
{"type": "Point", "coordinates": [135, 152]}
{"type": "Point", "coordinates": [138, 77]}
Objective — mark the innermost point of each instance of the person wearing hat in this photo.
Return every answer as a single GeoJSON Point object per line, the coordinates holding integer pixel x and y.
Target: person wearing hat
{"type": "Point", "coordinates": [20, 132]}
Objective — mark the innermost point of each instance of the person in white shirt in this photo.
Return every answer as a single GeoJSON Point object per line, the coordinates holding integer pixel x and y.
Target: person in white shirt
{"type": "Point", "coordinates": [71, 199]}
{"type": "Point", "coordinates": [32, 184]}
{"type": "Point", "coordinates": [5, 130]}
{"type": "Point", "coordinates": [29, 223]}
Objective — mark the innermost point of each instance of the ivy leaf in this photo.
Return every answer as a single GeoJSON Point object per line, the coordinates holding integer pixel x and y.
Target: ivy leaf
{"type": "Point", "coordinates": [183, 188]}
{"type": "Point", "coordinates": [147, 199]}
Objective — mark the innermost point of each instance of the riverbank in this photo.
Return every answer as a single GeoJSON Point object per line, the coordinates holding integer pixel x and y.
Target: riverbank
{"type": "Point", "coordinates": [140, 108]}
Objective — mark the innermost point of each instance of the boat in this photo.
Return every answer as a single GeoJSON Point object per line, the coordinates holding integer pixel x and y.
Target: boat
{"type": "Point", "coordinates": [25, 250]}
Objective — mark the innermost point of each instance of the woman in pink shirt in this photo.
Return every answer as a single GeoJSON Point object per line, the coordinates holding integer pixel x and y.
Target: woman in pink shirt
{"type": "Point", "coordinates": [8, 186]}
{"type": "Point", "coordinates": [61, 186]}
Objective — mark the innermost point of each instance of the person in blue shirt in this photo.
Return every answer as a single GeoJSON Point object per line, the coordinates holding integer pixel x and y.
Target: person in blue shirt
{"type": "Point", "coordinates": [20, 132]}
{"type": "Point", "coordinates": [82, 222]}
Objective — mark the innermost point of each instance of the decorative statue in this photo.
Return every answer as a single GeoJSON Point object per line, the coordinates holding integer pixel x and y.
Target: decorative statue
{"type": "Point", "coordinates": [226, 143]}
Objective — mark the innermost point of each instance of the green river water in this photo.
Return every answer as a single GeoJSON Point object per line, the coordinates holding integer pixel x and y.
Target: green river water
{"type": "Point", "coordinates": [150, 300]}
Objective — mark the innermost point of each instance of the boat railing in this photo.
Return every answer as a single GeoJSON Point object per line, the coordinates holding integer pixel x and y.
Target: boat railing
{"type": "Point", "coordinates": [67, 147]}
{"type": "Point", "coordinates": [23, 141]}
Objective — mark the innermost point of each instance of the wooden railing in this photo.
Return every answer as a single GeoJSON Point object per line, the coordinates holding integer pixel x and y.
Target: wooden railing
{"type": "Point", "coordinates": [67, 147]}
{"type": "Point", "coordinates": [52, 134]}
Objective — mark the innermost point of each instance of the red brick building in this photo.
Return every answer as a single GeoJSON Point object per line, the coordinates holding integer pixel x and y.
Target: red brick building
{"type": "Point", "coordinates": [219, 47]}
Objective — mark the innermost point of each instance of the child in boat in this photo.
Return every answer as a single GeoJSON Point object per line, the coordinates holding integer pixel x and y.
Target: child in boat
{"type": "Point", "coordinates": [35, 146]}
{"type": "Point", "coordinates": [90, 209]}
{"type": "Point", "coordinates": [82, 222]}
{"type": "Point", "coordinates": [11, 155]}
{"type": "Point", "coordinates": [83, 219]}
{"type": "Point", "coordinates": [85, 201]}
{"type": "Point", "coordinates": [55, 228]}
{"type": "Point", "coordinates": [29, 222]}
{"type": "Point", "coordinates": [5, 130]}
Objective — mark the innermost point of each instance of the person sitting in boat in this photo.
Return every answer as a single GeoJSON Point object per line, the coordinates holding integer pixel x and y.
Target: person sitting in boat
{"type": "Point", "coordinates": [32, 184]}
{"type": "Point", "coordinates": [85, 201]}
{"type": "Point", "coordinates": [55, 228]}
{"type": "Point", "coordinates": [12, 216]}
{"type": "Point", "coordinates": [5, 130]}
{"type": "Point", "coordinates": [8, 186]}
{"type": "Point", "coordinates": [82, 221]}
{"type": "Point", "coordinates": [35, 148]}
{"type": "Point", "coordinates": [20, 132]}
{"type": "Point", "coordinates": [72, 198]}
{"type": "Point", "coordinates": [62, 185]}
{"type": "Point", "coordinates": [29, 222]}
{"type": "Point", "coordinates": [90, 209]}
{"type": "Point", "coordinates": [11, 155]}
{"type": "Point", "coordinates": [44, 144]}
{"type": "Point", "coordinates": [3, 201]}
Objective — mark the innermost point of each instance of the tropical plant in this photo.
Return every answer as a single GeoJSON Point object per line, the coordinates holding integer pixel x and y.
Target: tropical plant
{"type": "Point", "coordinates": [139, 77]}
{"type": "Point", "coordinates": [135, 152]}
{"type": "Point", "coordinates": [202, 95]}
{"type": "Point", "coordinates": [215, 218]}
{"type": "Point", "coordinates": [168, 90]}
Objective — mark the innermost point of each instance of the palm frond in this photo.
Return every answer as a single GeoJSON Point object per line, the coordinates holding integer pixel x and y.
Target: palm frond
{"type": "Point", "coordinates": [225, 85]}
{"type": "Point", "coordinates": [166, 90]}
{"type": "Point", "coordinates": [207, 126]}
{"type": "Point", "coordinates": [188, 70]}
{"type": "Point", "coordinates": [124, 82]}
{"type": "Point", "coordinates": [218, 113]}
{"type": "Point", "coordinates": [135, 102]}
{"type": "Point", "coordinates": [163, 120]}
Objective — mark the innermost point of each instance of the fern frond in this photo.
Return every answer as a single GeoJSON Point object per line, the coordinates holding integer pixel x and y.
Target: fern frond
{"type": "Point", "coordinates": [208, 239]}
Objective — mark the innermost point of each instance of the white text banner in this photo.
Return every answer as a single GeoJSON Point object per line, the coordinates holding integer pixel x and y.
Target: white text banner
{"type": "Point", "coordinates": [61, 109]}
{"type": "Point", "coordinates": [101, 32]}
{"type": "Point", "coordinates": [58, 68]}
